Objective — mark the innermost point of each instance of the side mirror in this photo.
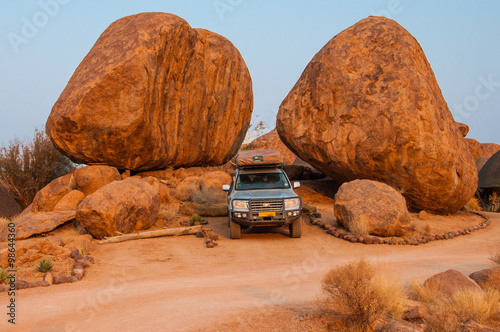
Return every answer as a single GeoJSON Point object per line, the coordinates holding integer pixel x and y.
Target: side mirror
{"type": "Point", "coordinates": [225, 187]}
{"type": "Point", "coordinates": [296, 185]}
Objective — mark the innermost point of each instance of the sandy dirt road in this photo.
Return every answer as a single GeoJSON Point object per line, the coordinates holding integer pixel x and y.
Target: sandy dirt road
{"type": "Point", "coordinates": [176, 284]}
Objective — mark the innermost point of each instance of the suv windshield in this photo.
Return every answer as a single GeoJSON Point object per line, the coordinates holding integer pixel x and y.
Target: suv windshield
{"type": "Point", "coordinates": [262, 181]}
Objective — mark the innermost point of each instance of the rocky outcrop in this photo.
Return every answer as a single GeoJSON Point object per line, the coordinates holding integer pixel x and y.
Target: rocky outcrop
{"type": "Point", "coordinates": [451, 281]}
{"type": "Point", "coordinates": [70, 201]}
{"type": "Point", "coordinates": [368, 106]}
{"type": "Point", "coordinates": [89, 179]}
{"type": "Point", "coordinates": [374, 204]}
{"type": "Point", "coordinates": [475, 148]}
{"type": "Point", "coordinates": [489, 149]}
{"type": "Point", "coordinates": [487, 279]}
{"type": "Point", "coordinates": [154, 92]}
{"type": "Point", "coordinates": [46, 199]}
{"type": "Point", "coordinates": [121, 206]}
{"type": "Point", "coordinates": [464, 129]}
{"type": "Point", "coordinates": [38, 223]}
{"type": "Point", "coordinates": [273, 141]}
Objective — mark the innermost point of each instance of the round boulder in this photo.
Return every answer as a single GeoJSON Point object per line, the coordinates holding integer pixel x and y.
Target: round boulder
{"type": "Point", "coordinates": [154, 92]}
{"type": "Point", "coordinates": [368, 106]}
{"type": "Point", "coordinates": [121, 206]}
{"type": "Point", "coordinates": [374, 204]}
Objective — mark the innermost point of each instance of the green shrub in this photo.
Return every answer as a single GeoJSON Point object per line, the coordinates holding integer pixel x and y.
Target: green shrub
{"type": "Point", "coordinates": [26, 167]}
{"type": "Point", "coordinates": [45, 265]}
{"type": "Point", "coordinates": [4, 276]}
{"type": "Point", "coordinates": [195, 218]}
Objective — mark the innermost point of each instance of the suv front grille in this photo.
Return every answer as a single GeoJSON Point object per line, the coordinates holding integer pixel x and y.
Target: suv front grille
{"type": "Point", "coordinates": [268, 205]}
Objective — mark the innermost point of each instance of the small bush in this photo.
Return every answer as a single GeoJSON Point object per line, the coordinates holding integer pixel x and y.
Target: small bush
{"type": "Point", "coordinates": [4, 276]}
{"type": "Point", "coordinates": [469, 304]}
{"type": "Point", "coordinates": [27, 167]}
{"type": "Point", "coordinates": [358, 227]}
{"type": "Point", "coordinates": [195, 218]}
{"type": "Point", "coordinates": [363, 295]}
{"type": "Point", "coordinates": [45, 265]}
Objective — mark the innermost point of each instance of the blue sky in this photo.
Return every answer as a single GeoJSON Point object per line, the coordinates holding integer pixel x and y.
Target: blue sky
{"type": "Point", "coordinates": [43, 41]}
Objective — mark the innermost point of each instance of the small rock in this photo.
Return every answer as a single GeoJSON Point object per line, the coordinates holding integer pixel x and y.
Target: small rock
{"type": "Point", "coordinates": [77, 272]}
{"type": "Point", "coordinates": [214, 237]}
{"type": "Point", "coordinates": [83, 262]}
{"type": "Point", "coordinates": [42, 283]}
{"type": "Point", "coordinates": [60, 279]}
{"type": "Point", "coordinates": [316, 215]}
{"type": "Point", "coordinates": [200, 235]}
{"type": "Point", "coordinates": [72, 279]}
{"type": "Point", "coordinates": [208, 240]}
{"type": "Point", "coordinates": [3, 289]}
{"type": "Point", "coordinates": [90, 259]}
{"type": "Point", "coordinates": [21, 284]}
{"type": "Point", "coordinates": [422, 215]}
{"type": "Point", "coordinates": [73, 254]}
{"type": "Point", "coordinates": [48, 277]}
{"type": "Point", "coordinates": [210, 245]}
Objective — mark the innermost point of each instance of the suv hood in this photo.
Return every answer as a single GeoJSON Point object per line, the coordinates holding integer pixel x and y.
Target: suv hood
{"type": "Point", "coordinates": [264, 194]}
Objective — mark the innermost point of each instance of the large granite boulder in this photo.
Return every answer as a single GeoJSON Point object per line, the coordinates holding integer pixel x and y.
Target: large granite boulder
{"type": "Point", "coordinates": [475, 148]}
{"type": "Point", "coordinates": [154, 92]}
{"type": "Point", "coordinates": [489, 149]}
{"type": "Point", "coordinates": [451, 281]}
{"type": "Point", "coordinates": [374, 204]}
{"type": "Point", "coordinates": [487, 279]}
{"type": "Point", "coordinates": [89, 179]}
{"type": "Point", "coordinates": [120, 206]}
{"type": "Point", "coordinates": [39, 223]}
{"type": "Point", "coordinates": [46, 199]}
{"type": "Point", "coordinates": [368, 106]}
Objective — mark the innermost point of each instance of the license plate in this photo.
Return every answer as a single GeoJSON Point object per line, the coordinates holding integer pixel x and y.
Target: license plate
{"type": "Point", "coordinates": [267, 214]}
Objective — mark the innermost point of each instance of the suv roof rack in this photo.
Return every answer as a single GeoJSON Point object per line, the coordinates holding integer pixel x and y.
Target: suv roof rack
{"type": "Point", "coordinates": [275, 165]}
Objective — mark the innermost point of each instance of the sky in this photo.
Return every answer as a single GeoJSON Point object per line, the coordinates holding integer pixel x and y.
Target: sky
{"type": "Point", "coordinates": [43, 41]}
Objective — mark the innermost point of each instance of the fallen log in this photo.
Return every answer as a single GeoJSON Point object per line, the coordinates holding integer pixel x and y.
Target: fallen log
{"type": "Point", "coordinates": [151, 234]}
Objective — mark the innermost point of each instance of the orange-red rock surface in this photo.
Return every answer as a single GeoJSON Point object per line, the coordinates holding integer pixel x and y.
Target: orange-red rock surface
{"type": "Point", "coordinates": [154, 92]}
{"type": "Point", "coordinates": [368, 106]}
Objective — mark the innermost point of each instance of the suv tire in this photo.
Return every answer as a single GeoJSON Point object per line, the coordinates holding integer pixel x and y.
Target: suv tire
{"type": "Point", "coordinates": [234, 229]}
{"type": "Point", "coordinates": [296, 228]}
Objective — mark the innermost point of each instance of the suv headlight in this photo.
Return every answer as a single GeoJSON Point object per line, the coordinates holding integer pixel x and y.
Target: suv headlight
{"type": "Point", "coordinates": [292, 203]}
{"type": "Point", "coordinates": [240, 205]}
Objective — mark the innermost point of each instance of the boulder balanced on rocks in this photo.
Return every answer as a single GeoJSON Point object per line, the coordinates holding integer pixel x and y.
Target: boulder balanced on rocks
{"type": "Point", "coordinates": [374, 204]}
{"type": "Point", "coordinates": [368, 106]}
{"type": "Point", "coordinates": [152, 93]}
{"type": "Point", "coordinates": [121, 206]}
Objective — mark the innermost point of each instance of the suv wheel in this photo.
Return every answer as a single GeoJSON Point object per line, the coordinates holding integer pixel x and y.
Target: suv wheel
{"type": "Point", "coordinates": [234, 229]}
{"type": "Point", "coordinates": [296, 228]}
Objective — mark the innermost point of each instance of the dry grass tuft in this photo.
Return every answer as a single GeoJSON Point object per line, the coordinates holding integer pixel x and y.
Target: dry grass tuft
{"type": "Point", "coordinates": [361, 293]}
{"type": "Point", "coordinates": [473, 204]}
{"type": "Point", "coordinates": [449, 313]}
{"type": "Point", "coordinates": [4, 222]}
{"type": "Point", "coordinates": [358, 227]}
{"type": "Point", "coordinates": [165, 216]}
{"type": "Point", "coordinates": [495, 257]}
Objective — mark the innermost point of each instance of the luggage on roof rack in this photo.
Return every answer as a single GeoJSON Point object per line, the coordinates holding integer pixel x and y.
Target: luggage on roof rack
{"type": "Point", "coordinates": [259, 158]}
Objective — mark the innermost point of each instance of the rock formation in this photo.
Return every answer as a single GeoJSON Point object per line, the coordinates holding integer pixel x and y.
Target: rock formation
{"type": "Point", "coordinates": [121, 206]}
{"type": "Point", "coordinates": [451, 281]}
{"type": "Point", "coordinates": [272, 141]}
{"type": "Point", "coordinates": [368, 106]}
{"type": "Point", "coordinates": [154, 92]}
{"type": "Point", "coordinates": [373, 203]}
